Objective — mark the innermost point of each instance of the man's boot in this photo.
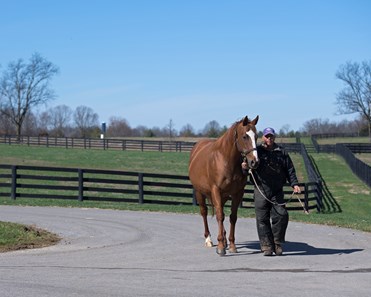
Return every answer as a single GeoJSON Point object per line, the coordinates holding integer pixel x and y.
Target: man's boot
{"type": "Point", "coordinates": [267, 250]}
{"type": "Point", "coordinates": [278, 249]}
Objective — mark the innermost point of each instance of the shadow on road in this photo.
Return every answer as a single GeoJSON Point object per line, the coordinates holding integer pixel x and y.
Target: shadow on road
{"type": "Point", "coordinates": [292, 248]}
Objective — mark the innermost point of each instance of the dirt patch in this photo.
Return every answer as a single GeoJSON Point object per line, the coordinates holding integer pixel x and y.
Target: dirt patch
{"type": "Point", "coordinates": [34, 238]}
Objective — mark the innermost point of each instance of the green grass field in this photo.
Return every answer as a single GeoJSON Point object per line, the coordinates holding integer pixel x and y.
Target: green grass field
{"type": "Point", "coordinates": [347, 200]}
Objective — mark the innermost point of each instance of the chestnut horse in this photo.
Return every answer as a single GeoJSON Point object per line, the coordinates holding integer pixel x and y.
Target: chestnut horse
{"type": "Point", "coordinates": [215, 172]}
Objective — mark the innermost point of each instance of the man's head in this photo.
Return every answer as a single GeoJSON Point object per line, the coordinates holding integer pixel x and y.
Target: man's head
{"type": "Point", "coordinates": [269, 136]}
{"type": "Point", "coordinates": [269, 131]}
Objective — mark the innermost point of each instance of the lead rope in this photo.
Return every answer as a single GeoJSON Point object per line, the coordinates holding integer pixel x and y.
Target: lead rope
{"type": "Point", "coordinates": [275, 203]}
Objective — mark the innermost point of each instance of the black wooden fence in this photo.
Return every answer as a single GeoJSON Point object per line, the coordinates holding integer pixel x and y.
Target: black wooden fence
{"type": "Point", "coordinates": [347, 151]}
{"type": "Point", "coordinates": [96, 143]}
{"type": "Point", "coordinates": [359, 148]}
{"type": "Point", "coordinates": [116, 144]}
{"type": "Point", "coordinates": [361, 169]}
{"type": "Point", "coordinates": [17, 182]}
{"type": "Point", "coordinates": [356, 148]}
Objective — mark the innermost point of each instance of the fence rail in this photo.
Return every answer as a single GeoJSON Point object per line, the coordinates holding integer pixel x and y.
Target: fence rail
{"type": "Point", "coordinates": [347, 151]}
{"type": "Point", "coordinates": [361, 169]}
{"type": "Point", "coordinates": [356, 148]}
{"type": "Point", "coordinates": [115, 144]}
{"type": "Point", "coordinates": [96, 143]}
{"type": "Point", "coordinates": [17, 182]}
{"type": "Point", "coordinates": [359, 148]}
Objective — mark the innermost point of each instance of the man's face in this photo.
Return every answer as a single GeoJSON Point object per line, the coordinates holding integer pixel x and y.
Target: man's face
{"type": "Point", "coordinates": [268, 139]}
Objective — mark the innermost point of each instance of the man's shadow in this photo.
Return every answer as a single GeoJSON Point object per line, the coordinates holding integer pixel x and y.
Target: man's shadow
{"type": "Point", "coordinates": [291, 248]}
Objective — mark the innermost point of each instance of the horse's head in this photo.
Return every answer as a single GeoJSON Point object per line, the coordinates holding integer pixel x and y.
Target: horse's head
{"type": "Point", "coordinates": [246, 138]}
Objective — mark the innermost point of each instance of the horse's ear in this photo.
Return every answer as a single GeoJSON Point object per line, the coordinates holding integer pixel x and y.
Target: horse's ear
{"type": "Point", "coordinates": [255, 121]}
{"type": "Point", "coordinates": [245, 121]}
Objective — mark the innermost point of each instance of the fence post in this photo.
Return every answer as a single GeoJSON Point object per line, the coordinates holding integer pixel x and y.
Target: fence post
{"type": "Point", "coordinates": [140, 188]}
{"type": "Point", "coordinates": [81, 184]}
{"type": "Point", "coordinates": [319, 194]}
{"type": "Point", "coordinates": [306, 202]}
{"type": "Point", "coordinates": [13, 193]}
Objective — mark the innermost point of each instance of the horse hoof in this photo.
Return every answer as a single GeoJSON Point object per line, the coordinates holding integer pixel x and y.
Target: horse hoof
{"type": "Point", "coordinates": [220, 252]}
{"type": "Point", "coordinates": [233, 251]}
{"type": "Point", "coordinates": [208, 242]}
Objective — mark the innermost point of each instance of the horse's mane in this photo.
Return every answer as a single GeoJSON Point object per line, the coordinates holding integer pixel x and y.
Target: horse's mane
{"type": "Point", "coordinates": [230, 134]}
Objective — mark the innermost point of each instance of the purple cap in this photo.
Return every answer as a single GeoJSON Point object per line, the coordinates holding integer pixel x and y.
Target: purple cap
{"type": "Point", "coordinates": [269, 131]}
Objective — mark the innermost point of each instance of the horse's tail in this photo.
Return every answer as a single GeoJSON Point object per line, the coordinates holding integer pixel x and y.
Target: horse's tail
{"type": "Point", "coordinates": [201, 199]}
{"type": "Point", "coordinates": [212, 206]}
{"type": "Point", "coordinates": [212, 210]}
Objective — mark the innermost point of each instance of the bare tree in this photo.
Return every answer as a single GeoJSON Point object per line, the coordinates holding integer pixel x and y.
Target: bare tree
{"type": "Point", "coordinates": [356, 95]}
{"type": "Point", "coordinates": [30, 124]}
{"type": "Point", "coordinates": [360, 125]}
{"type": "Point", "coordinates": [44, 120]}
{"type": "Point", "coordinates": [86, 120]}
{"type": "Point", "coordinates": [318, 126]}
{"type": "Point", "coordinates": [284, 130]}
{"type": "Point", "coordinates": [6, 126]}
{"type": "Point", "coordinates": [25, 85]}
{"type": "Point", "coordinates": [187, 131]}
{"type": "Point", "coordinates": [170, 129]}
{"type": "Point", "coordinates": [59, 119]}
{"type": "Point", "coordinates": [118, 127]}
{"type": "Point", "coordinates": [212, 129]}
{"type": "Point", "coordinates": [139, 131]}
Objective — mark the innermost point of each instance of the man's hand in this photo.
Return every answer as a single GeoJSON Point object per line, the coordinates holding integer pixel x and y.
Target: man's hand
{"type": "Point", "coordinates": [297, 189]}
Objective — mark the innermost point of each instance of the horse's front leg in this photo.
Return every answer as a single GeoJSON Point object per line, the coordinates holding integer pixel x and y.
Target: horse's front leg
{"type": "Point", "coordinates": [218, 205]}
{"type": "Point", "coordinates": [233, 220]}
{"type": "Point", "coordinates": [222, 241]}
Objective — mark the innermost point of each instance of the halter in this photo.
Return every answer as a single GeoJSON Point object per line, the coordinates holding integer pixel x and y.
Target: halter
{"type": "Point", "coordinates": [243, 152]}
{"type": "Point", "coordinates": [245, 163]}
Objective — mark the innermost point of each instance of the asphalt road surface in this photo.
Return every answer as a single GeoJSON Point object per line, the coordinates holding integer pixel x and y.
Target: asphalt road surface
{"type": "Point", "coordinates": [124, 253]}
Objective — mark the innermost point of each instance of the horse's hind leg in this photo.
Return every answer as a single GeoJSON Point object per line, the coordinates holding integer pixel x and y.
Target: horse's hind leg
{"type": "Point", "coordinates": [203, 211]}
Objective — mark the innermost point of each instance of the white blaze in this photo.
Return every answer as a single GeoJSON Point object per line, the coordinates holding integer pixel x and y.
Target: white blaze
{"type": "Point", "coordinates": [251, 134]}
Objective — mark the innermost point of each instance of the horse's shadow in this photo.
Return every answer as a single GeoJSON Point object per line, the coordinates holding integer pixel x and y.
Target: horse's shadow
{"type": "Point", "coordinates": [292, 248]}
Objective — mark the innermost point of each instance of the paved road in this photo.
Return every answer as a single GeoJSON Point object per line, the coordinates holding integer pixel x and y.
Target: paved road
{"type": "Point", "coordinates": [123, 253]}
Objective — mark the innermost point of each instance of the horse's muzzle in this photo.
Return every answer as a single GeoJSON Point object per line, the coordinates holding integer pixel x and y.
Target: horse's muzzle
{"type": "Point", "coordinates": [253, 164]}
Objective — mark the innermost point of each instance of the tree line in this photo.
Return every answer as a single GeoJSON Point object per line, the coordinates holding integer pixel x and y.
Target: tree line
{"type": "Point", "coordinates": [25, 85]}
{"type": "Point", "coordinates": [63, 121]}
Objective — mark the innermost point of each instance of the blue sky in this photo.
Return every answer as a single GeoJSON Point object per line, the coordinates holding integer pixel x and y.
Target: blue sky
{"type": "Point", "coordinates": [193, 62]}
